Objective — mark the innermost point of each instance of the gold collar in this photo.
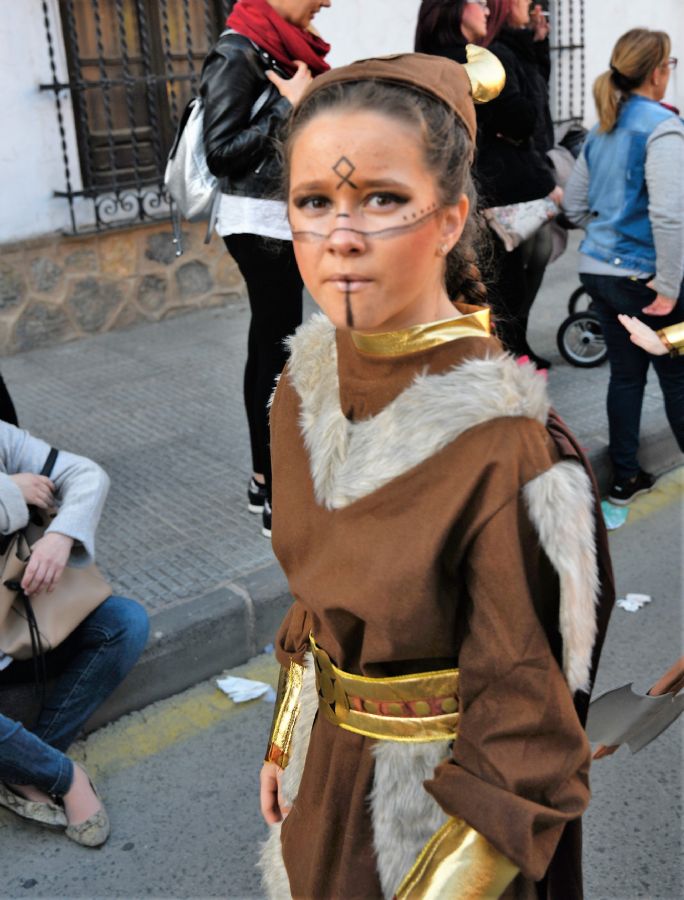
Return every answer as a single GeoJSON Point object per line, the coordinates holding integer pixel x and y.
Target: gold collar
{"type": "Point", "coordinates": [425, 336]}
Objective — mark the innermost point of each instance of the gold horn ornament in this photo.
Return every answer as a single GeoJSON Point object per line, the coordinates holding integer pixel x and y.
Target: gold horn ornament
{"type": "Point", "coordinates": [487, 75]}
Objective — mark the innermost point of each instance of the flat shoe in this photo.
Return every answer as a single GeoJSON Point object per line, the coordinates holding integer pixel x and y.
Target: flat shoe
{"type": "Point", "coordinates": [94, 831]}
{"type": "Point", "coordinates": [45, 813]}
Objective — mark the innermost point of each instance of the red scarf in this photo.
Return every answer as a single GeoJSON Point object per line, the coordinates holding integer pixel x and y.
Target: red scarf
{"type": "Point", "coordinates": [257, 20]}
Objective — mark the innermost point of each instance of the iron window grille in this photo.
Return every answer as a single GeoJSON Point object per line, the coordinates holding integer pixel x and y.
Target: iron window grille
{"type": "Point", "coordinates": [132, 65]}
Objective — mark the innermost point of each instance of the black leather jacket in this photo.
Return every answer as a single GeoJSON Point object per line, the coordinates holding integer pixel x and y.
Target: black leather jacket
{"type": "Point", "coordinates": [241, 148]}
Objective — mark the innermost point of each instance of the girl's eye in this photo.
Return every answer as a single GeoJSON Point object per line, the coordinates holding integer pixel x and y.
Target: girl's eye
{"type": "Point", "coordinates": [386, 201]}
{"type": "Point", "coordinates": [311, 203]}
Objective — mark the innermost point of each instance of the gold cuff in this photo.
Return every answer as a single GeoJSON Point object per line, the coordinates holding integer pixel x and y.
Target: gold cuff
{"type": "Point", "coordinates": [459, 863]}
{"type": "Point", "coordinates": [673, 338]}
{"type": "Point", "coordinates": [286, 711]}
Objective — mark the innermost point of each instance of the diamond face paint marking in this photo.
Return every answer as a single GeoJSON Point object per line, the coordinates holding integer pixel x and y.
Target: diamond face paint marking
{"type": "Point", "coordinates": [345, 168]}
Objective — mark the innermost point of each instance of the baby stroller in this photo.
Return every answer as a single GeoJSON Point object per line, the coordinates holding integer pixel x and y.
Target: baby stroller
{"type": "Point", "coordinates": [579, 338]}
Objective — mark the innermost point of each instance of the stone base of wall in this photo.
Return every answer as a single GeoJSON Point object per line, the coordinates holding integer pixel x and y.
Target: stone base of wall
{"type": "Point", "coordinates": [57, 288]}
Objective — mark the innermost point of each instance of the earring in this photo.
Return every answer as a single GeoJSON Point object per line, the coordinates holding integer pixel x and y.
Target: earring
{"type": "Point", "coordinates": [443, 249]}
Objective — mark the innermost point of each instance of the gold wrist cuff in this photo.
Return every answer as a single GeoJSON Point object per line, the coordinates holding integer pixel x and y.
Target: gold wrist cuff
{"type": "Point", "coordinates": [459, 863]}
{"type": "Point", "coordinates": [673, 338]}
{"type": "Point", "coordinates": [286, 711]}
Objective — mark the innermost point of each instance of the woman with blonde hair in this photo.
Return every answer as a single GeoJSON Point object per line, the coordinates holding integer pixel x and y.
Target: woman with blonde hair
{"type": "Point", "coordinates": [627, 193]}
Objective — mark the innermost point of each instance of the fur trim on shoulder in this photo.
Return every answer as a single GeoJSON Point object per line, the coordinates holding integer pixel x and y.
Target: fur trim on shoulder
{"type": "Point", "coordinates": [273, 873]}
{"type": "Point", "coordinates": [350, 460]}
{"type": "Point", "coordinates": [404, 815]}
{"type": "Point", "coordinates": [561, 507]}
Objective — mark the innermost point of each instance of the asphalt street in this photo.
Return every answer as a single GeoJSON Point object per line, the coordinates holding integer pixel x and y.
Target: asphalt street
{"type": "Point", "coordinates": [180, 777]}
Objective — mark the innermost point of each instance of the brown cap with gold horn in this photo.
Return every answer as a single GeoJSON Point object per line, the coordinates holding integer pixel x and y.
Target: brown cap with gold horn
{"type": "Point", "coordinates": [458, 86]}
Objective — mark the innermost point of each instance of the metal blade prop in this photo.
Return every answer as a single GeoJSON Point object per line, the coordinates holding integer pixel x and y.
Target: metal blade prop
{"type": "Point", "coordinates": [622, 717]}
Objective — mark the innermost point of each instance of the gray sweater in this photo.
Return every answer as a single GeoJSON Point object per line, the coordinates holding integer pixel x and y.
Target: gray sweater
{"type": "Point", "coordinates": [81, 488]}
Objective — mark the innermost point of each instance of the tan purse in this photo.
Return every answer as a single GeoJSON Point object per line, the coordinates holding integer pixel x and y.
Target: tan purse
{"type": "Point", "coordinates": [31, 626]}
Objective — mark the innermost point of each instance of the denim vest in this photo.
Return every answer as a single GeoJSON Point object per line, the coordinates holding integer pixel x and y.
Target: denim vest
{"type": "Point", "coordinates": [618, 230]}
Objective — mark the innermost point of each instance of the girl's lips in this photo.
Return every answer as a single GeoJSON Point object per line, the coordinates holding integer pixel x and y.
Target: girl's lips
{"type": "Point", "coordinates": [349, 284]}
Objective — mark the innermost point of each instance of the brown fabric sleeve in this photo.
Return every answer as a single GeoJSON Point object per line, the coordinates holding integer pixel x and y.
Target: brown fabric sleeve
{"type": "Point", "coordinates": [292, 640]}
{"type": "Point", "coordinates": [519, 769]}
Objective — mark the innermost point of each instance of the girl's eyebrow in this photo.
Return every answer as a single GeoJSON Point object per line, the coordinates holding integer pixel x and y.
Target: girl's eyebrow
{"type": "Point", "coordinates": [369, 183]}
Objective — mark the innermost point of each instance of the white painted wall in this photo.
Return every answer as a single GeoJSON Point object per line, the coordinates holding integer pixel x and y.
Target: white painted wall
{"type": "Point", "coordinates": [357, 29]}
{"type": "Point", "coordinates": [31, 165]}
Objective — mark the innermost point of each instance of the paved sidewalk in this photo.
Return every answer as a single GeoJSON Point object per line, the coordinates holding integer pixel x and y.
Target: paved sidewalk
{"type": "Point", "coordinates": [160, 407]}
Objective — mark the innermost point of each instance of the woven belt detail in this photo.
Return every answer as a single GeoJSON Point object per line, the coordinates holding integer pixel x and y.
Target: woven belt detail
{"type": "Point", "coordinates": [421, 707]}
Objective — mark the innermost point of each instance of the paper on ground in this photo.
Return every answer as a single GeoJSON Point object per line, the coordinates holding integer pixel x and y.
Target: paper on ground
{"type": "Point", "coordinates": [240, 690]}
{"type": "Point", "coordinates": [633, 602]}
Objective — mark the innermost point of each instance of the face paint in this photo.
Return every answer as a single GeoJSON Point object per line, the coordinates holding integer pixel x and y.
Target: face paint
{"type": "Point", "coordinates": [382, 234]}
{"type": "Point", "coordinates": [350, 311]}
{"type": "Point", "coordinates": [344, 168]}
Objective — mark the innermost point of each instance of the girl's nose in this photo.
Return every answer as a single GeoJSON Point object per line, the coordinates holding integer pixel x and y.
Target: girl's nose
{"type": "Point", "coordinates": [346, 241]}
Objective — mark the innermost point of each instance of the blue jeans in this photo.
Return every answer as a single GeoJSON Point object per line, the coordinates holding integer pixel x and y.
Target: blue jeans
{"type": "Point", "coordinates": [89, 664]}
{"type": "Point", "coordinates": [629, 367]}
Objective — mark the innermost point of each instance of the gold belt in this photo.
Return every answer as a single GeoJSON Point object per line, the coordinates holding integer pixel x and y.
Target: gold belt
{"type": "Point", "coordinates": [421, 707]}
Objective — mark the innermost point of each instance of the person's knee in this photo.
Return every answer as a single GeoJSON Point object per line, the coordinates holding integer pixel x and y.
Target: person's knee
{"type": "Point", "coordinates": [124, 622]}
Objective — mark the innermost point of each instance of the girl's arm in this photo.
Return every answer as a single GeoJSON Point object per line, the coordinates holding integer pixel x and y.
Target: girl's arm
{"type": "Point", "coordinates": [518, 773]}
{"type": "Point", "coordinates": [665, 340]}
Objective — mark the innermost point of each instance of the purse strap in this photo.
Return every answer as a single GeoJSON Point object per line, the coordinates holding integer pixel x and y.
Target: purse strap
{"type": "Point", "coordinates": [50, 462]}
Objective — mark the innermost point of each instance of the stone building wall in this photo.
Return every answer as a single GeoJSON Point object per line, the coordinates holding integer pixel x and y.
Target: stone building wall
{"type": "Point", "coordinates": [58, 288]}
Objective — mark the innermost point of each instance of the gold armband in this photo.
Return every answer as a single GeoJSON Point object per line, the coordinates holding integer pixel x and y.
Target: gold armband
{"type": "Point", "coordinates": [673, 338]}
{"type": "Point", "coordinates": [285, 715]}
{"type": "Point", "coordinates": [459, 863]}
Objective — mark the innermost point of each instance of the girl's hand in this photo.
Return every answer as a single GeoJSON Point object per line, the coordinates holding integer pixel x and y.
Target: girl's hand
{"type": "Point", "coordinates": [273, 807]}
{"type": "Point", "coordinates": [37, 490]}
{"type": "Point", "coordinates": [540, 23]}
{"type": "Point", "coordinates": [661, 306]}
{"type": "Point", "coordinates": [49, 556]}
{"type": "Point", "coordinates": [293, 88]}
{"type": "Point", "coordinates": [643, 336]}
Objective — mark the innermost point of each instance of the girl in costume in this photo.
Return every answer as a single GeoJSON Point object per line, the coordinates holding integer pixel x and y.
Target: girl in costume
{"type": "Point", "coordinates": [442, 543]}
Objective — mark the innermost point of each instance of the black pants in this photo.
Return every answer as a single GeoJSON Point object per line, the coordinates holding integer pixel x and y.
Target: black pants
{"type": "Point", "coordinates": [629, 366]}
{"type": "Point", "coordinates": [518, 277]}
{"type": "Point", "coordinates": [274, 287]}
{"type": "Point", "coordinates": [7, 411]}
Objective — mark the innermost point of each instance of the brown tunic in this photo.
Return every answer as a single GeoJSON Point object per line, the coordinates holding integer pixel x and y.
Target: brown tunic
{"type": "Point", "coordinates": [439, 567]}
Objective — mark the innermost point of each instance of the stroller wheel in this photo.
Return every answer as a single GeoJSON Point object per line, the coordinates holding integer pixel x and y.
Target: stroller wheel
{"type": "Point", "coordinates": [578, 299]}
{"type": "Point", "coordinates": [580, 340]}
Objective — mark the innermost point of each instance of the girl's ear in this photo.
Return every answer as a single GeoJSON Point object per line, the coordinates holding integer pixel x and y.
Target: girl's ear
{"type": "Point", "coordinates": [453, 221]}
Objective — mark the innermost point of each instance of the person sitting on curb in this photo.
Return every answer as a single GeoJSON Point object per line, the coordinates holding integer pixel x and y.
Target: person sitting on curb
{"type": "Point", "coordinates": [37, 780]}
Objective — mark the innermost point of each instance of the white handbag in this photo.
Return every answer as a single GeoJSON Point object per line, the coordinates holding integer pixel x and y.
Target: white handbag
{"type": "Point", "coordinates": [518, 221]}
